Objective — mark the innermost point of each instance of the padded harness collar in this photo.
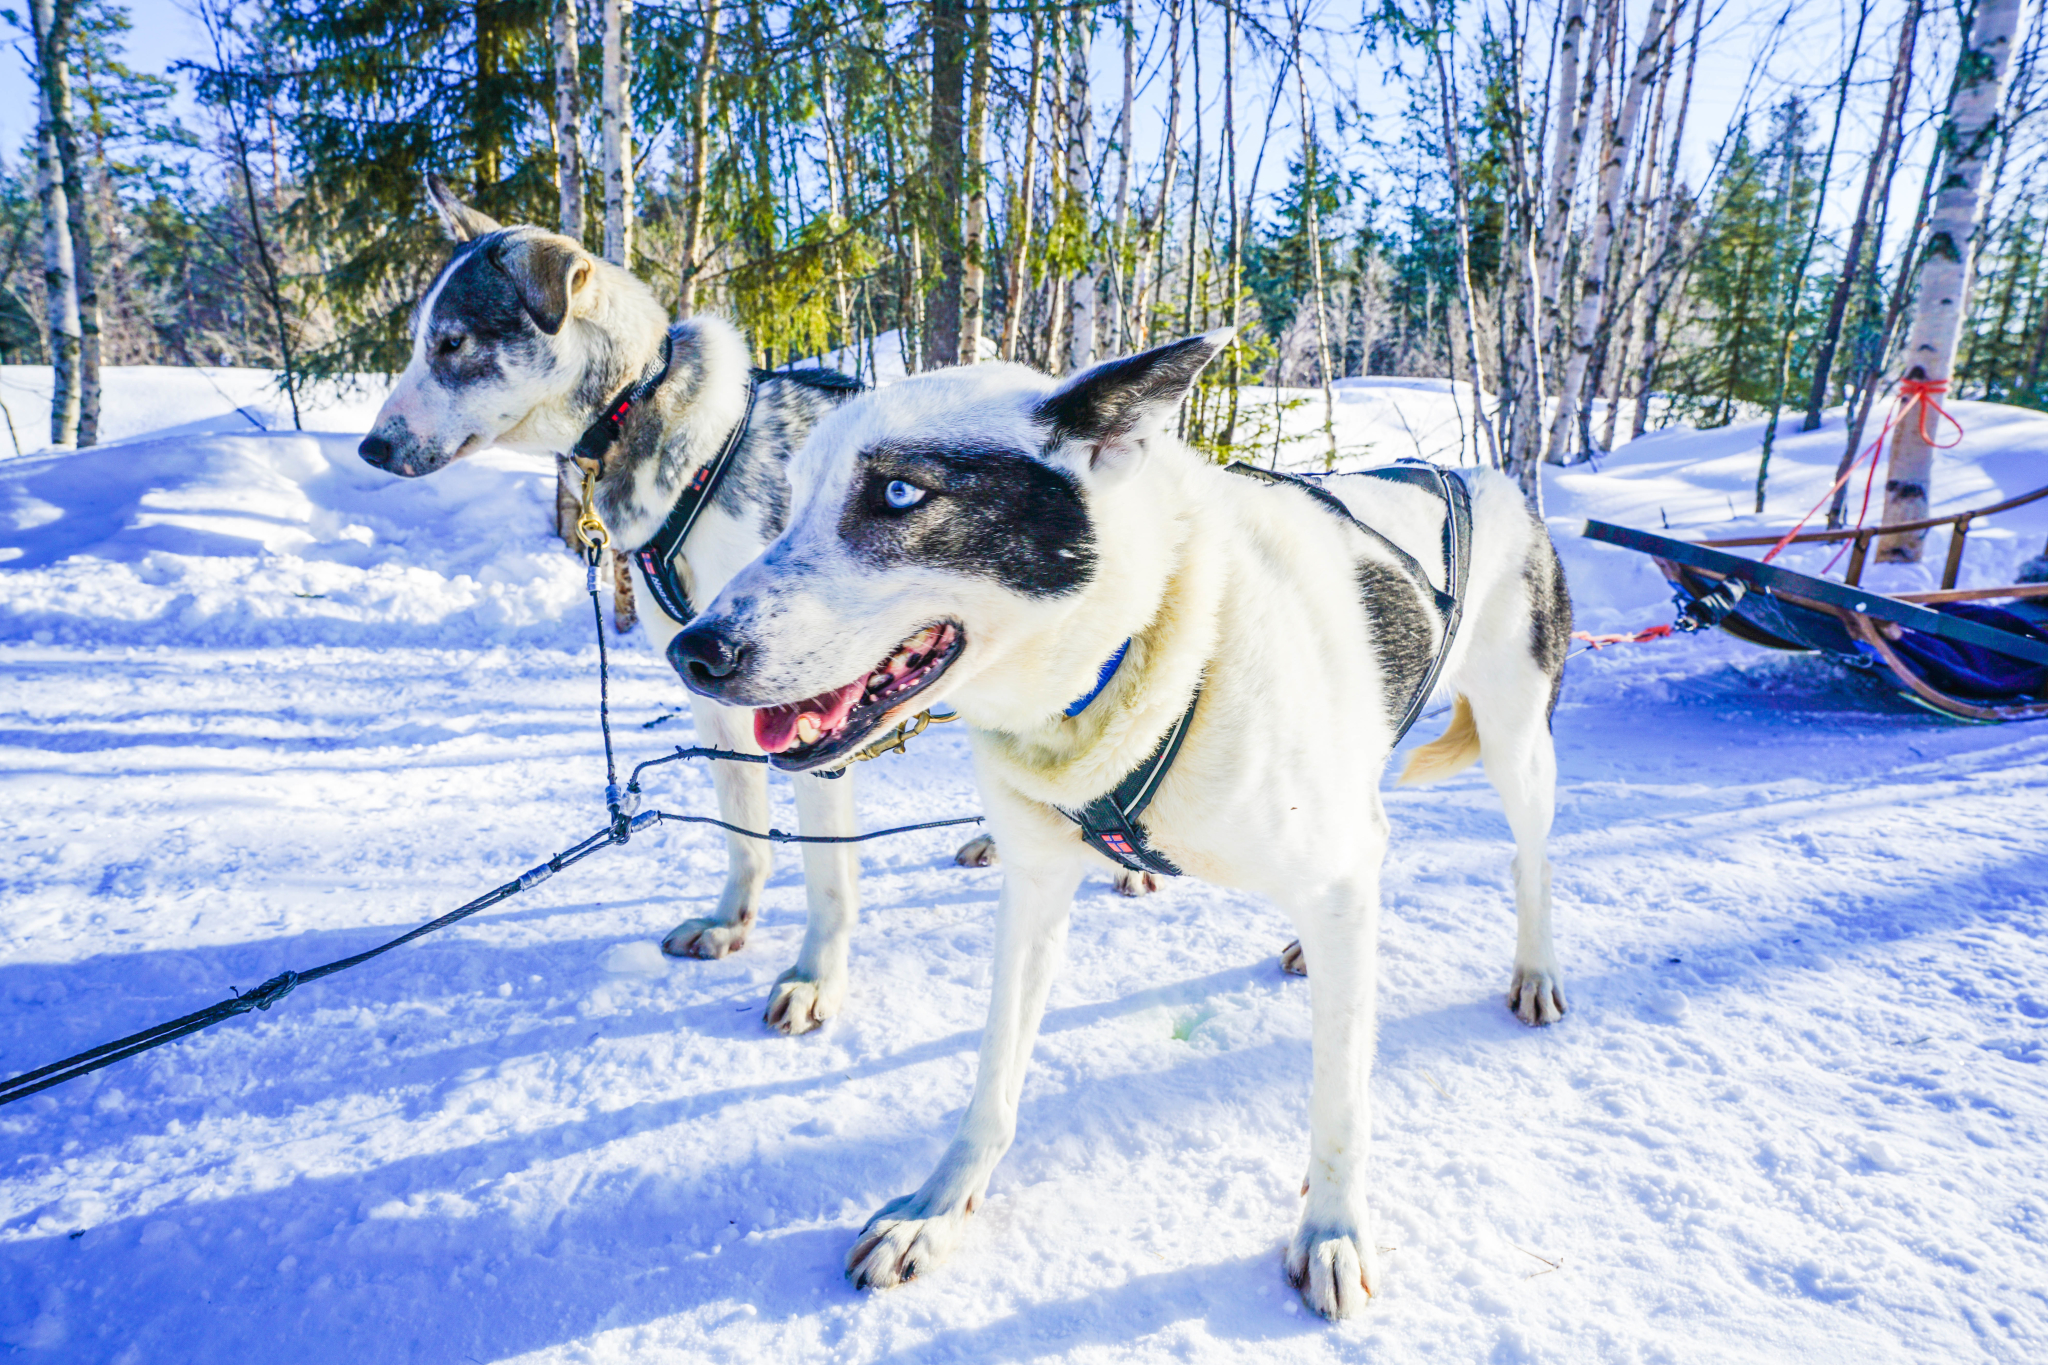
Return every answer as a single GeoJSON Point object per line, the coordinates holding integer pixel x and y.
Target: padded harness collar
{"type": "Point", "coordinates": [1110, 823]}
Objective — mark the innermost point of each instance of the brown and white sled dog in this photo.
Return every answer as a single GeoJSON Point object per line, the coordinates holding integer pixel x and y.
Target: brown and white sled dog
{"type": "Point", "coordinates": [521, 341]}
{"type": "Point", "coordinates": [1027, 530]}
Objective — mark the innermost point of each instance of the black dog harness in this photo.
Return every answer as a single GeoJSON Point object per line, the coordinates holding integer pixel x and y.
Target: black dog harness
{"type": "Point", "coordinates": [1109, 823]}
{"type": "Point", "coordinates": [657, 558]}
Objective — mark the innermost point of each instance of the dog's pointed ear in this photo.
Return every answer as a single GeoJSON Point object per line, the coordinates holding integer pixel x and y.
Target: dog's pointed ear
{"type": "Point", "coordinates": [547, 272]}
{"type": "Point", "coordinates": [1106, 408]}
{"type": "Point", "coordinates": [464, 223]}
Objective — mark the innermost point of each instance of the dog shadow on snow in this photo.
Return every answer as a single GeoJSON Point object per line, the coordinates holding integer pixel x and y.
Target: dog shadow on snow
{"type": "Point", "coordinates": [404, 1262]}
{"type": "Point", "coordinates": [420, 1258]}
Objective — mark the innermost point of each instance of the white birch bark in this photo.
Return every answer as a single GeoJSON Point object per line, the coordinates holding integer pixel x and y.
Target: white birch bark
{"type": "Point", "coordinates": [568, 119]}
{"type": "Point", "coordinates": [1151, 252]}
{"type": "Point", "coordinates": [1080, 129]}
{"type": "Point", "coordinates": [1121, 273]}
{"type": "Point", "coordinates": [1571, 110]}
{"type": "Point", "coordinates": [1594, 265]}
{"type": "Point", "coordinates": [60, 280]}
{"type": "Point", "coordinates": [1020, 249]}
{"type": "Point", "coordinates": [618, 133]}
{"type": "Point", "coordinates": [974, 233]}
{"type": "Point", "coordinates": [1970, 138]}
{"type": "Point", "coordinates": [1663, 244]}
{"type": "Point", "coordinates": [700, 137]}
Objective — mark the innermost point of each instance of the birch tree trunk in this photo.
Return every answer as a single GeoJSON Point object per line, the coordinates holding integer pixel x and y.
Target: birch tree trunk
{"type": "Point", "coordinates": [1235, 375]}
{"type": "Point", "coordinates": [1447, 104]}
{"type": "Point", "coordinates": [1573, 107]}
{"type": "Point", "coordinates": [1309, 176]}
{"type": "Point", "coordinates": [692, 264]}
{"type": "Point", "coordinates": [1020, 232]}
{"type": "Point", "coordinates": [948, 23]}
{"type": "Point", "coordinates": [1122, 274]}
{"type": "Point", "coordinates": [568, 118]}
{"type": "Point", "coordinates": [1152, 252]}
{"type": "Point", "coordinates": [974, 234]}
{"type": "Point", "coordinates": [1187, 312]}
{"type": "Point", "coordinates": [1080, 128]}
{"type": "Point", "coordinates": [1967, 142]}
{"type": "Point", "coordinates": [1663, 244]}
{"type": "Point", "coordinates": [618, 133]}
{"type": "Point", "coordinates": [1055, 189]}
{"type": "Point", "coordinates": [79, 206]}
{"type": "Point", "coordinates": [1594, 266]}
{"type": "Point", "coordinates": [60, 282]}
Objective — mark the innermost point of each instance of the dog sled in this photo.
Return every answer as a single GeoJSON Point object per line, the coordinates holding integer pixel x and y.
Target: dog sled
{"type": "Point", "coordinates": [1950, 650]}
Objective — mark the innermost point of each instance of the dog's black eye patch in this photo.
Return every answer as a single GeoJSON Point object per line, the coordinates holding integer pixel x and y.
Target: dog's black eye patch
{"type": "Point", "coordinates": [478, 310]}
{"type": "Point", "coordinates": [989, 511]}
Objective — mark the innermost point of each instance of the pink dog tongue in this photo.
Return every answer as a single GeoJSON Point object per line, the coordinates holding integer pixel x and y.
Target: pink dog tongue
{"type": "Point", "coordinates": [775, 726]}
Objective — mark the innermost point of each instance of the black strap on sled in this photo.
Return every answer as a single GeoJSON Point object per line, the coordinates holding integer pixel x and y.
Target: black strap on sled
{"type": "Point", "coordinates": [1457, 542]}
{"type": "Point", "coordinates": [1110, 823]}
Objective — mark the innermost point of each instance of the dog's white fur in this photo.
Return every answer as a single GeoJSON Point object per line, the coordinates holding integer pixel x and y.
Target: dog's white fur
{"type": "Point", "coordinates": [1248, 590]}
{"type": "Point", "coordinates": [540, 403]}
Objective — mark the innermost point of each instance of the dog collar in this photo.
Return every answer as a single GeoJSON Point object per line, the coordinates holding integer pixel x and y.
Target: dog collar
{"type": "Point", "coordinates": [599, 437]}
{"type": "Point", "coordinates": [657, 558]}
{"type": "Point", "coordinates": [1080, 704]}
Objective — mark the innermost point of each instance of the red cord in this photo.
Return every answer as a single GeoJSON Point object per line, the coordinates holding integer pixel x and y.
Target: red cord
{"type": "Point", "coordinates": [1920, 393]}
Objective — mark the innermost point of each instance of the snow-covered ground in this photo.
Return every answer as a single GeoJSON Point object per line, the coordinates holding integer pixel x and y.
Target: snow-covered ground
{"type": "Point", "coordinates": [262, 706]}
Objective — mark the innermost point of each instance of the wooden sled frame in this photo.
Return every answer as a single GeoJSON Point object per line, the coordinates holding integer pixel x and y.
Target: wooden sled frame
{"type": "Point", "coordinates": [1784, 609]}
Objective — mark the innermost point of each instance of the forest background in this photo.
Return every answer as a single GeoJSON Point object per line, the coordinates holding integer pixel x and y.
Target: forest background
{"type": "Point", "coordinates": [1616, 214]}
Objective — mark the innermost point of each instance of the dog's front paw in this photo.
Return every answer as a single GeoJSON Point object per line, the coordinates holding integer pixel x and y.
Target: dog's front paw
{"type": "Point", "coordinates": [709, 938]}
{"type": "Point", "coordinates": [1333, 1268]}
{"type": "Point", "coordinates": [1535, 996]}
{"type": "Point", "coordinates": [902, 1241]}
{"type": "Point", "coordinates": [1291, 960]}
{"type": "Point", "coordinates": [800, 1002]}
{"type": "Point", "coordinates": [1131, 883]}
{"type": "Point", "coordinates": [980, 851]}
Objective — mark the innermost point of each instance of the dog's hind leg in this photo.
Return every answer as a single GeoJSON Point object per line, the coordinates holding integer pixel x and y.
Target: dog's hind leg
{"type": "Point", "coordinates": [814, 989]}
{"type": "Point", "coordinates": [742, 800]}
{"type": "Point", "coordinates": [1511, 706]}
{"type": "Point", "coordinates": [911, 1234]}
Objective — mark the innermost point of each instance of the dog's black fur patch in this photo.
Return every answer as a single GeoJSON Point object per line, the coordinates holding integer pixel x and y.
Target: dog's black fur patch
{"type": "Point", "coordinates": [1550, 613]}
{"type": "Point", "coordinates": [478, 304]}
{"type": "Point", "coordinates": [1403, 631]}
{"type": "Point", "coordinates": [989, 511]}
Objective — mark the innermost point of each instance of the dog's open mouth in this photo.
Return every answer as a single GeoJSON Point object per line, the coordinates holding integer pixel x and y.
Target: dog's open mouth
{"type": "Point", "coordinates": [808, 733]}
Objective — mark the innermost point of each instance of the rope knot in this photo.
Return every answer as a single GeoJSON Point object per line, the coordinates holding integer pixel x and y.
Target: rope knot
{"type": "Point", "coordinates": [267, 994]}
{"type": "Point", "coordinates": [1923, 394]}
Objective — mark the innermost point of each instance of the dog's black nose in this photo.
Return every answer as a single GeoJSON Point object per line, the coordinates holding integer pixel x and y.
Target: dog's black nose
{"type": "Point", "coordinates": [377, 450]}
{"type": "Point", "coordinates": [705, 654]}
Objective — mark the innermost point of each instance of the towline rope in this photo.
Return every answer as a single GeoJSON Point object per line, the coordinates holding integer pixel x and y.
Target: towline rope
{"type": "Point", "coordinates": [625, 822]}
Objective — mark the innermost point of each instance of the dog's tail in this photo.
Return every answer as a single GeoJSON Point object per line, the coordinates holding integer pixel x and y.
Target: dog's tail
{"type": "Point", "coordinates": [1449, 754]}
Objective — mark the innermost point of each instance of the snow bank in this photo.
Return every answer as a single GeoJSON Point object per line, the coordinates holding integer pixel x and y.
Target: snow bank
{"type": "Point", "coordinates": [214, 533]}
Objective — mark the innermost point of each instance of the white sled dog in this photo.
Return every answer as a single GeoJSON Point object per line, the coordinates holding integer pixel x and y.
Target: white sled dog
{"type": "Point", "coordinates": [1092, 596]}
{"type": "Point", "coordinates": [525, 340]}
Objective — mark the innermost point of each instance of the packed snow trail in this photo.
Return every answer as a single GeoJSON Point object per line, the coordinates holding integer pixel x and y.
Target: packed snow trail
{"type": "Point", "coordinates": [1796, 1113]}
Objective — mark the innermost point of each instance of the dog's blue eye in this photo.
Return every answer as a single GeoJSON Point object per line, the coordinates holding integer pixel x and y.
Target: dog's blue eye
{"type": "Point", "coordinates": [901, 495]}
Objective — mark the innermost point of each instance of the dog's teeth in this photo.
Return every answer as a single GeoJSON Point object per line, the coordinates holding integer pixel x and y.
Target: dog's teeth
{"type": "Point", "coordinates": [807, 730]}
